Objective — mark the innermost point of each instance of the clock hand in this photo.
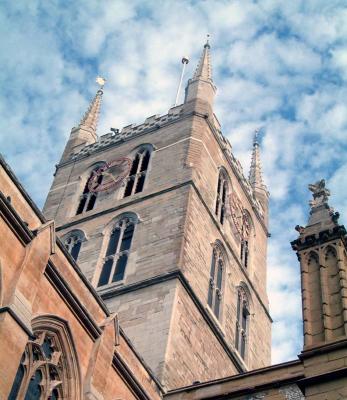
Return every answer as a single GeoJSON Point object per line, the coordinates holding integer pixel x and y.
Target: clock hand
{"type": "Point", "coordinates": [104, 173]}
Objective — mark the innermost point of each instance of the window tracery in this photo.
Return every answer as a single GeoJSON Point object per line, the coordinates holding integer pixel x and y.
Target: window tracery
{"type": "Point", "coordinates": [138, 172]}
{"type": "Point", "coordinates": [215, 292]}
{"type": "Point", "coordinates": [117, 252]}
{"type": "Point", "coordinates": [73, 243]}
{"type": "Point", "coordinates": [222, 189]}
{"type": "Point", "coordinates": [242, 322]}
{"type": "Point", "coordinates": [41, 373]}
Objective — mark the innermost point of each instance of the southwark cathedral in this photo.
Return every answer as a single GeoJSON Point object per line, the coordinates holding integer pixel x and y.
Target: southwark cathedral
{"type": "Point", "coordinates": [144, 277]}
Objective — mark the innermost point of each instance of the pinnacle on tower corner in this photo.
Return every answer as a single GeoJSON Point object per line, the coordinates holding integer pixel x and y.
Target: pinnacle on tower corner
{"type": "Point", "coordinates": [255, 174]}
{"type": "Point", "coordinates": [200, 88]}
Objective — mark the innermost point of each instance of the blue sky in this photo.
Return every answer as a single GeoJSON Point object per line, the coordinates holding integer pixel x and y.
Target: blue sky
{"type": "Point", "coordinates": [278, 65]}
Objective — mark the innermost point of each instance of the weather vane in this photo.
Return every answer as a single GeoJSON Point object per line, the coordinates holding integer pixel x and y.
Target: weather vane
{"type": "Point", "coordinates": [100, 81]}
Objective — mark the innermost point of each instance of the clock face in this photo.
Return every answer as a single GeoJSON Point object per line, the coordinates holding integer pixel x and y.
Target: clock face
{"type": "Point", "coordinates": [110, 175]}
{"type": "Point", "coordinates": [239, 216]}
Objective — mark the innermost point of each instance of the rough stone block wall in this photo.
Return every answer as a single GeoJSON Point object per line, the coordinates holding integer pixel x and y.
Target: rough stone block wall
{"type": "Point", "coordinates": [207, 158]}
{"type": "Point", "coordinates": [200, 234]}
{"type": "Point", "coordinates": [194, 353]}
{"type": "Point", "coordinates": [145, 316]}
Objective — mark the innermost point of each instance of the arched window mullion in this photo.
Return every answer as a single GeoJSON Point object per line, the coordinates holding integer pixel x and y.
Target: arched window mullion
{"type": "Point", "coordinates": [115, 272]}
{"type": "Point", "coordinates": [138, 172]}
{"type": "Point", "coordinates": [222, 190]}
{"type": "Point", "coordinates": [116, 254]}
{"type": "Point", "coordinates": [242, 322]}
{"type": "Point", "coordinates": [215, 294]}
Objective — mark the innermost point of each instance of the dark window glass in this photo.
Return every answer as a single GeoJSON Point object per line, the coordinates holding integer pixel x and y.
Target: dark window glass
{"type": "Point", "coordinates": [222, 188]}
{"type": "Point", "coordinates": [145, 161]}
{"type": "Point", "coordinates": [211, 283]}
{"type": "Point", "coordinates": [217, 304]}
{"type": "Point", "coordinates": [47, 348]}
{"type": "Point", "coordinates": [127, 237]}
{"type": "Point", "coordinates": [113, 243]}
{"type": "Point", "coordinates": [241, 323]}
{"type": "Point", "coordinates": [214, 296]}
{"type": "Point", "coordinates": [219, 274]}
{"type": "Point", "coordinates": [140, 183]}
{"type": "Point", "coordinates": [243, 345]}
{"type": "Point", "coordinates": [34, 388]}
{"type": "Point", "coordinates": [137, 174]}
{"type": "Point", "coordinates": [75, 250]}
{"type": "Point", "coordinates": [117, 254]}
{"type": "Point", "coordinates": [81, 205]}
{"type": "Point", "coordinates": [135, 165]}
{"type": "Point", "coordinates": [88, 198]}
{"type": "Point", "coordinates": [91, 202]}
{"type": "Point", "coordinates": [54, 395]}
{"type": "Point", "coordinates": [105, 272]}
{"type": "Point", "coordinates": [120, 268]}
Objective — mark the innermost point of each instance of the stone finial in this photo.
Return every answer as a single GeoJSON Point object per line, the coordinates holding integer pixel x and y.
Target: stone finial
{"type": "Point", "coordinates": [320, 194]}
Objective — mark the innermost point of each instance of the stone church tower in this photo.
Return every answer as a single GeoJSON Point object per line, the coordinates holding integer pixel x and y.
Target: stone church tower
{"type": "Point", "coordinates": [162, 221]}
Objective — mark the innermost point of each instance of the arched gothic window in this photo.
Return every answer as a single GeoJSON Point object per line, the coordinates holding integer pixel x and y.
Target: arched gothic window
{"type": "Point", "coordinates": [88, 198]}
{"type": "Point", "coordinates": [245, 236]}
{"type": "Point", "coordinates": [138, 172]}
{"type": "Point", "coordinates": [117, 252]}
{"type": "Point", "coordinates": [222, 191]}
{"type": "Point", "coordinates": [46, 370]}
{"type": "Point", "coordinates": [215, 293]}
{"type": "Point", "coordinates": [242, 322]}
{"type": "Point", "coordinates": [73, 242]}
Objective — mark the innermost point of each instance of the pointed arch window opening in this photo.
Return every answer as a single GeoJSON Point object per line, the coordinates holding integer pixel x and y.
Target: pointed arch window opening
{"type": "Point", "coordinates": [117, 253]}
{"type": "Point", "coordinates": [245, 234]}
{"type": "Point", "coordinates": [215, 294]}
{"type": "Point", "coordinates": [137, 175]}
{"type": "Point", "coordinates": [222, 189]}
{"type": "Point", "coordinates": [40, 374]}
{"type": "Point", "coordinates": [88, 198]}
{"type": "Point", "coordinates": [73, 245]}
{"type": "Point", "coordinates": [242, 322]}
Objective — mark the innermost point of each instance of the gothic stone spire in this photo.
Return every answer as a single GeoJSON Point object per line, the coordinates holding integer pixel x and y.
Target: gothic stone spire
{"type": "Point", "coordinates": [91, 117]}
{"type": "Point", "coordinates": [85, 132]}
{"type": "Point", "coordinates": [204, 68]}
{"type": "Point", "coordinates": [255, 175]}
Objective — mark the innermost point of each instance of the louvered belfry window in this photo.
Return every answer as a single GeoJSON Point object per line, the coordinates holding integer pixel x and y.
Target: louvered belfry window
{"type": "Point", "coordinates": [137, 175]}
{"type": "Point", "coordinates": [88, 198]}
{"type": "Point", "coordinates": [117, 252]}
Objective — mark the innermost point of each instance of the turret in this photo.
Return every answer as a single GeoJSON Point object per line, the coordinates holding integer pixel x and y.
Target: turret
{"type": "Point", "coordinates": [321, 249]}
